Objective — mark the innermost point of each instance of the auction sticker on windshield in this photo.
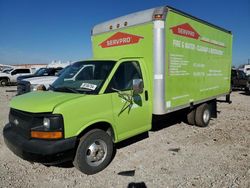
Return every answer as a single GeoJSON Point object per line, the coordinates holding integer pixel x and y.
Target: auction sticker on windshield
{"type": "Point", "coordinates": [88, 86]}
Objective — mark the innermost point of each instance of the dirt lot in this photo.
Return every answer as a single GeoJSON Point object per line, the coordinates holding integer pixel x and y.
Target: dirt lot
{"type": "Point", "coordinates": [176, 156]}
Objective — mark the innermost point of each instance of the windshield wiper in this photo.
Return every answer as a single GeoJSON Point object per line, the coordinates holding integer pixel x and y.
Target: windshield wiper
{"type": "Point", "coordinates": [85, 89]}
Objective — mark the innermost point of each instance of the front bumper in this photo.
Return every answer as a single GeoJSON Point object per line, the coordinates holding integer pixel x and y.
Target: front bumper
{"type": "Point", "coordinates": [23, 87]}
{"type": "Point", "coordinates": [37, 150]}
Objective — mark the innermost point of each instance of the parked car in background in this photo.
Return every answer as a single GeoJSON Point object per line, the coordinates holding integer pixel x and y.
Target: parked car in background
{"type": "Point", "coordinates": [245, 69]}
{"type": "Point", "coordinates": [38, 83]}
{"type": "Point", "coordinates": [239, 80]}
{"type": "Point", "coordinates": [10, 77]}
{"type": "Point", "coordinates": [41, 72]}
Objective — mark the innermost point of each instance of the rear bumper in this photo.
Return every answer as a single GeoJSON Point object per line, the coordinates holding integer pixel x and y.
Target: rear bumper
{"type": "Point", "coordinates": [36, 150]}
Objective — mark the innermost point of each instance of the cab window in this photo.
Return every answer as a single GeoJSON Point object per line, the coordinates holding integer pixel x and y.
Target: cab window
{"type": "Point", "coordinates": [123, 77]}
{"type": "Point", "coordinates": [20, 71]}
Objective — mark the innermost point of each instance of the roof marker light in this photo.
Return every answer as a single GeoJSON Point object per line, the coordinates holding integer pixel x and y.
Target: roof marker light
{"type": "Point", "coordinates": [158, 16]}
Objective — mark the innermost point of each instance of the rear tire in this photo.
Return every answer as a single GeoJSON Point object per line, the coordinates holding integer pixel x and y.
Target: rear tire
{"type": "Point", "coordinates": [202, 115]}
{"type": "Point", "coordinates": [94, 152]}
{"type": "Point", "coordinates": [191, 117]}
{"type": "Point", "coordinates": [3, 82]}
{"type": "Point", "coordinates": [247, 88]}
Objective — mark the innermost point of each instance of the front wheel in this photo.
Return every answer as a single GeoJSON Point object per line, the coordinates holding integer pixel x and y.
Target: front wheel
{"type": "Point", "coordinates": [3, 82]}
{"type": "Point", "coordinates": [94, 152]}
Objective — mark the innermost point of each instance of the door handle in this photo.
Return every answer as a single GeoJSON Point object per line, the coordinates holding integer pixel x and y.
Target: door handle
{"type": "Point", "coordinates": [146, 95]}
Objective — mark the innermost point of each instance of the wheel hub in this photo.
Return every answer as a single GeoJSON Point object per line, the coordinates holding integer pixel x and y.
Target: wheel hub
{"type": "Point", "coordinates": [206, 116]}
{"type": "Point", "coordinates": [96, 153]}
{"type": "Point", "coordinates": [3, 83]}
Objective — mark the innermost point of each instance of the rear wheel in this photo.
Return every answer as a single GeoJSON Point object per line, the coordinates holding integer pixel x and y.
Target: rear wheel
{"type": "Point", "coordinates": [247, 88]}
{"type": "Point", "coordinates": [191, 117]}
{"type": "Point", "coordinates": [94, 152]}
{"type": "Point", "coordinates": [202, 115]}
{"type": "Point", "coordinates": [3, 82]}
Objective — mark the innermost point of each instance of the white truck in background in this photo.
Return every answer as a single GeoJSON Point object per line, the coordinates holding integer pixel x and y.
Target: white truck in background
{"type": "Point", "coordinates": [44, 82]}
{"type": "Point", "coordinates": [43, 79]}
{"type": "Point", "coordinates": [9, 77]}
{"type": "Point", "coordinates": [37, 83]}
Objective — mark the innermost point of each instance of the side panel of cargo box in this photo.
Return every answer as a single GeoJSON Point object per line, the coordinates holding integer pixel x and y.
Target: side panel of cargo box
{"type": "Point", "coordinates": [198, 61]}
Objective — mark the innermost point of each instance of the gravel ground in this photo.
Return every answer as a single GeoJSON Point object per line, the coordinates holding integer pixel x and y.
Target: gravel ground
{"type": "Point", "coordinates": [176, 156]}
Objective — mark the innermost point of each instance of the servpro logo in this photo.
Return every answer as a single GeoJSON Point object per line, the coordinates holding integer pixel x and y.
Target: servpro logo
{"type": "Point", "coordinates": [120, 39]}
{"type": "Point", "coordinates": [185, 30]}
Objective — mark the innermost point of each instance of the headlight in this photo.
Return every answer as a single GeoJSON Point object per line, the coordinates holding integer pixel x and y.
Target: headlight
{"type": "Point", "coordinates": [46, 123]}
{"type": "Point", "coordinates": [33, 87]}
{"type": "Point", "coordinates": [50, 127]}
{"type": "Point", "coordinates": [37, 87]}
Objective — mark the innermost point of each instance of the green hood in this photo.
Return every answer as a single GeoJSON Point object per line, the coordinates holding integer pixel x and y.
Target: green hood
{"type": "Point", "coordinates": [38, 102]}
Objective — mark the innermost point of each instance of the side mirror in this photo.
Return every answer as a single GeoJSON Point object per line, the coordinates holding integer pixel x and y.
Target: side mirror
{"type": "Point", "coordinates": [137, 86]}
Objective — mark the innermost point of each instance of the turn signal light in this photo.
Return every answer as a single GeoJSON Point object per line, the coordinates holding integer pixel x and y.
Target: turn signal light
{"type": "Point", "coordinates": [46, 135]}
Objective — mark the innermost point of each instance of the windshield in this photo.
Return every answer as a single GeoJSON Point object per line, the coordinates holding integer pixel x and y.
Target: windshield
{"type": "Point", "coordinates": [7, 71]}
{"type": "Point", "coordinates": [83, 77]}
{"type": "Point", "coordinates": [39, 71]}
{"type": "Point", "coordinates": [47, 71]}
{"type": "Point", "coordinates": [62, 71]}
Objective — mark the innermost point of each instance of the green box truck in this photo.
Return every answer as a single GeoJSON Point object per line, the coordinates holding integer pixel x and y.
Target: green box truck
{"type": "Point", "coordinates": [152, 62]}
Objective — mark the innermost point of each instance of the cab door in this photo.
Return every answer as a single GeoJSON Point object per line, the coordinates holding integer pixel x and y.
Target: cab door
{"type": "Point", "coordinates": [131, 112]}
{"type": "Point", "coordinates": [14, 75]}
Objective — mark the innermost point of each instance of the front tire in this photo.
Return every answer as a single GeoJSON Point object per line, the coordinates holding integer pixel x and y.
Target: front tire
{"type": "Point", "coordinates": [202, 115]}
{"type": "Point", "coordinates": [94, 152]}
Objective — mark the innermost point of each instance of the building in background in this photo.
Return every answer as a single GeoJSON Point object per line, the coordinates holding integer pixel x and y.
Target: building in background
{"type": "Point", "coordinates": [34, 67]}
